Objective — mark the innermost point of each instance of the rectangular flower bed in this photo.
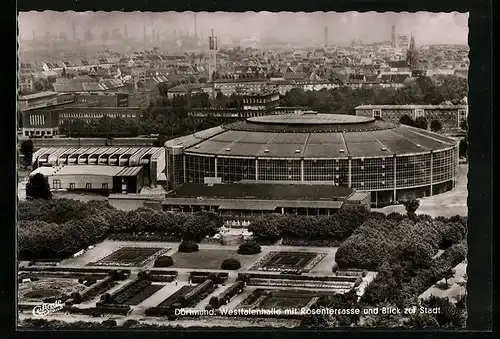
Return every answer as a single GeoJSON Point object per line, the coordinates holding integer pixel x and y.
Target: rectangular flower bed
{"type": "Point", "coordinates": [131, 256]}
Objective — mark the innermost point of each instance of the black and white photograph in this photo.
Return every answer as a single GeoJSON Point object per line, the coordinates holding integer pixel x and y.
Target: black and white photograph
{"type": "Point", "coordinates": [242, 169]}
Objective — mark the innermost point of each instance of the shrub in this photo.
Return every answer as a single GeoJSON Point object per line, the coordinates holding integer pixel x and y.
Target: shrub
{"type": "Point", "coordinates": [249, 248]}
{"type": "Point", "coordinates": [230, 264]}
{"type": "Point", "coordinates": [365, 272]}
{"type": "Point", "coordinates": [188, 247]}
{"type": "Point", "coordinates": [164, 261]}
{"type": "Point", "coordinates": [358, 282]}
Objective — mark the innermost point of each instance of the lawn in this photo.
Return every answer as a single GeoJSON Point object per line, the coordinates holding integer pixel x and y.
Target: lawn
{"type": "Point", "coordinates": [210, 259]}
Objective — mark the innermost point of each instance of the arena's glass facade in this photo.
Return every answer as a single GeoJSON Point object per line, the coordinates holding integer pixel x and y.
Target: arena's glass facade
{"type": "Point", "coordinates": [392, 161]}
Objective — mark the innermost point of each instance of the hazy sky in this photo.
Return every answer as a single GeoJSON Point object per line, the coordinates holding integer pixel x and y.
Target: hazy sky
{"type": "Point", "coordinates": [428, 28]}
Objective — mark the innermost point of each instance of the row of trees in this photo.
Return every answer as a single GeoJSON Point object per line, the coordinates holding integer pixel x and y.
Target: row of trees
{"type": "Point", "coordinates": [421, 122]}
{"type": "Point", "coordinates": [337, 226]}
{"type": "Point", "coordinates": [344, 100]}
{"type": "Point", "coordinates": [393, 240]}
{"type": "Point", "coordinates": [57, 228]}
{"type": "Point", "coordinates": [399, 282]}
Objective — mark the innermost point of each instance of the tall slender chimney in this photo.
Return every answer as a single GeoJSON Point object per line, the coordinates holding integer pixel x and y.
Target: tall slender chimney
{"type": "Point", "coordinates": [326, 36]}
{"type": "Point", "coordinates": [393, 36]}
{"type": "Point", "coordinates": [195, 31]}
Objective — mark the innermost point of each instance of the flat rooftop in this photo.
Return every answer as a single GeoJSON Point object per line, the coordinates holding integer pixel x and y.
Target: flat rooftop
{"type": "Point", "coordinates": [310, 118]}
{"type": "Point", "coordinates": [299, 192]}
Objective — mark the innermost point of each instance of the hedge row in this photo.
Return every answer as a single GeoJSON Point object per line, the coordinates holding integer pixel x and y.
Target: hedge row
{"type": "Point", "coordinates": [337, 226]}
{"type": "Point", "coordinates": [68, 269]}
{"type": "Point", "coordinates": [250, 276]}
{"type": "Point", "coordinates": [94, 290]}
{"type": "Point", "coordinates": [216, 277]}
{"type": "Point", "coordinates": [61, 227]}
{"type": "Point", "coordinates": [160, 276]}
{"type": "Point", "coordinates": [128, 291]}
{"type": "Point", "coordinates": [227, 295]}
{"type": "Point", "coordinates": [99, 310]}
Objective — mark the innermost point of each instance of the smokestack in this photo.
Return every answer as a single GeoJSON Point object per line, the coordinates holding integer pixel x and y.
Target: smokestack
{"type": "Point", "coordinates": [393, 36]}
{"type": "Point", "coordinates": [195, 32]}
{"type": "Point", "coordinates": [326, 36]}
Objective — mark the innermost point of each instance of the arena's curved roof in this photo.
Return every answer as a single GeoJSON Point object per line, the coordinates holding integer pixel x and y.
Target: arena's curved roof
{"type": "Point", "coordinates": [330, 136]}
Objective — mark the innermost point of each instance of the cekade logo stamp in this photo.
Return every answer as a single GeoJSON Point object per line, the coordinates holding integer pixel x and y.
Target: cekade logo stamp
{"type": "Point", "coordinates": [46, 308]}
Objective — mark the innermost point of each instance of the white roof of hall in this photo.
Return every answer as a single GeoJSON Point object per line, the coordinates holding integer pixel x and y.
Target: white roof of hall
{"type": "Point", "coordinates": [96, 170]}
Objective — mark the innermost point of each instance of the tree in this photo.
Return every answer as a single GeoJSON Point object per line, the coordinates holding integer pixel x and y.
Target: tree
{"type": "Point", "coordinates": [406, 120]}
{"type": "Point", "coordinates": [436, 126]}
{"type": "Point", "coordinates": [448, 275]}
{"type": "Point", "coordinates": [27, 151]}
{"type": "Point", "coordinates": [411, 207]}
{"type": "Point", "coordinates": [38, 187]}
{"type": "Point", "coordinates": [421, 123]}
{"type": "Point", "coordinates": [462, 148]}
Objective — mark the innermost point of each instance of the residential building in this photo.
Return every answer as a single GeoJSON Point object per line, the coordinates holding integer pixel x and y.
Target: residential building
{"type": "Point", "coordinates": [101, 99]}
{"type": "Point", "coordinates": [450, 116]}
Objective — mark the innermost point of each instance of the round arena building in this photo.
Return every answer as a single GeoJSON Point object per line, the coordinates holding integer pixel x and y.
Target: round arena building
{"type": "Point", "coordinates": [394, 162]}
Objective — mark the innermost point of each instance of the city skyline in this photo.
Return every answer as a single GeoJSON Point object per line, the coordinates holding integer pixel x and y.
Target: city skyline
{"type": "Point", "coordinates": [428, 28]}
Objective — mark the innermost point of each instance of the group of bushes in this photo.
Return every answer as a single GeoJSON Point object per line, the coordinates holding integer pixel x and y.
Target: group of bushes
{"type": "Point", "coordinates": [400, 282]}
{"type": "Point", "coordinates": [188, 247]}
{"type": "Point", "coordinates": [230, 264]}
{"type": "Point", "coordinates": [337, 226]}
{"type": "Point", "coordinates": [59, 228]}
{"type": "Point", "coordinates": [249, 248]}
{"type": "Point", "coordinates": [397, 238]}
